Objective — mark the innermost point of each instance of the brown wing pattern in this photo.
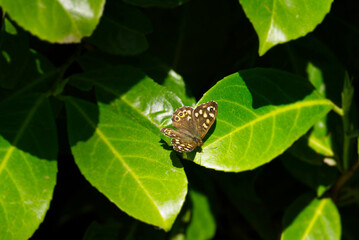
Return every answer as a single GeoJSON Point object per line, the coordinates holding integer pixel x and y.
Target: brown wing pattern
{"type": "Point", "coordinates": [192, 125]}
{"type": "Point", "coordinates": [205, 115]}
{"type": "Point", "coordinates": [180, 142]}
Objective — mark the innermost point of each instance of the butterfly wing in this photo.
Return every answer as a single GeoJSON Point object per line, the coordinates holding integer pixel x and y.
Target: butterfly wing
{"type": "Point", "coordinates": [183, 120]}
{"type": "Point", "coordinates": [205, 115]}
{"type": "Point", "coordinates": [180, 141]}
{"type": "Point", "coordinates": [192, 125]}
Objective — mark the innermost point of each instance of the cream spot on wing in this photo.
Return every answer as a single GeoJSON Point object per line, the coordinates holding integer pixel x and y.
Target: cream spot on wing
{"type": "Point", "coordinates": [211, 114]}
{"type": "Point", "coordinates": [200, 111]}
{"type": "Point", "coordinates": [205, 115]}
{"type": "Point", "coordinates": [208, 121]}
{"type": "Point", "coordinates": [204, 125]}
{"type": "Point", "coordinates": [189, 118]}
{"type": "Point", "coordinates": [196, 114]}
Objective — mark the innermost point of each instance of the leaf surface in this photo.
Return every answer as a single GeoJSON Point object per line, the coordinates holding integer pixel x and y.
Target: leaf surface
{"type": "Point", "coordinates": [56, 21]}
{"type": "Point", "coordinates": [28, 150]}
{"type": "Point", "coordinates": [261, 112]}
{"type": "Point", "coordinates": [313, 219]}
{"type": "Point", "coordinates": [119, 150]}
{"type": "Point", "coordinates": [278, 21]}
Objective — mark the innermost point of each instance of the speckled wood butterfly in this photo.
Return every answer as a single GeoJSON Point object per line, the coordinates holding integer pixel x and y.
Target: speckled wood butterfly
{"type": "Point", "coordinates": [192, 125]}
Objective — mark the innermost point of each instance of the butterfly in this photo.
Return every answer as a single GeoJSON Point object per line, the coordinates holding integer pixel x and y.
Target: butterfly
{"type": "Point", "coordinates": [192, 125]}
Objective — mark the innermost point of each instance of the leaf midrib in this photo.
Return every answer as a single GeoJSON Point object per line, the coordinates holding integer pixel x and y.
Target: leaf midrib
{"type": "Point", "coordinates": [273, 113]}
{"type": "Point", "coordinates": [117, 155]}
{"type": "Point", "coordinates": [21, 131]}
{"type": "Point", "coordinates": [317, 213]}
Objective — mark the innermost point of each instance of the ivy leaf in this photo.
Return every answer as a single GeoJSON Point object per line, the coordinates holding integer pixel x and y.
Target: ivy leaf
{"type": "Point", "coordinates": [261, 112]}
{"type": "Point", "coordinates": [119, 149]}
{"type": "Point", "coordinates": [309, 218]}
{"type": "Point", "coordinates": [28, 143]}
{"type": "Point", "coordinates": [281, 21]}
{"type": "Point", "coordinates": [56, 21]}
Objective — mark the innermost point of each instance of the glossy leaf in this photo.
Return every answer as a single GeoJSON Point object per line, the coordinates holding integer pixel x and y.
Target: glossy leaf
{"type": "Point", "coordinates": [309, 218]}
{"type": "Point", "coordinates": [119, 149]}
{"type": "Point", "coordinates": [28, 143]}
{"type": "Point", "coordinates": [56, 21]}
{"type": "Point", "coordinates": [261, 112]}
{"type": "Point", "coordinates": [281, 21]}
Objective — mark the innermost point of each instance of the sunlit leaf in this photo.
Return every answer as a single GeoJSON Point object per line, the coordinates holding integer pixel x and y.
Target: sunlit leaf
{"type": "Point", "coordinates": [281, 21]}
{"type": "Point", "coordinates": [28, 143]}
{"type": "Point", "coordinates": [56, 21]}
{"type": "Point", "coordinates": [119, 150]}
{"type": "Point", "coordinates": [312, 218]}
{"type": "Point", "coordinates": [261, 112]}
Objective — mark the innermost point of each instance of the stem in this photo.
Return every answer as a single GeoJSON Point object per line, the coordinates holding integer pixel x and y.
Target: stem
{"type": "Point", "coordinates": [344, 178]}
{"type": "Point", "coordinates": [347, 98]}
{"type": "Point", "coordinates": [338, 110]}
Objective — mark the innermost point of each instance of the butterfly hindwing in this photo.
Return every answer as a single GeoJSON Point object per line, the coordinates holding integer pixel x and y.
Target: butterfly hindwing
{"type": "Point", "coordinates": [180, 142]}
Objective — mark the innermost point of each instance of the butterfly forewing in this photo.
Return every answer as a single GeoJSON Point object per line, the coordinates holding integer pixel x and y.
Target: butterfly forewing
{"type": "Point", "coordinates": [205, 115]}
{"type": "Point", "coordinates": [192, 125]}
{"type": "Point", "coordinates": [183, 119]}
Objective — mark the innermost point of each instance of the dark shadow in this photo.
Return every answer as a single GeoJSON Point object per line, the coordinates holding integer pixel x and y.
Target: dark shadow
{"type": "Point", "coordinates": [271, 87]}
{"type": "Point", "coordinates": [109, 84]}
{"type": "Point", "coordinates": [296, 208]}
{"type": "Point", "coordinates": [28, 124]}
{"type": "Point", "coordinates": [175, 160]}
{"type": "Point", "coordinates": [173, 155]}
{"type": "Point", "coordinates": [295, 57]}
{"type": "Point", "coordinates": [165, 145]}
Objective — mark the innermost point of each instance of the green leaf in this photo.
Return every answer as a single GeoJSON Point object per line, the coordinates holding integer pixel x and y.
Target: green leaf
{"type": "Point", "coordinates": [56, 21]}
{"type": "Point", "coordinates": [167, 77]}
{"type": "Point", "coordinates": [310, 58]}
{"type": "Point", "coordinates": [122, 30]}
{"type": "Point", "coordinates": [152, 66]}
{"type": "Point", "coordinates": [119, 149]}
{"type": "Point", "coordinates": [156, 3]}
{"type": "Point", "coordinates": [281, 21]}
{"type": "Point", "coordinates": [319, 138]}
{"type": "Point", "coordinates": [312, 218]}
{"type": "Point", "coordinates": [202, 225]}
{"type": "Point", "coordinates": [28, 143]}
{"type": "Point", "coordinates": [261, 112]}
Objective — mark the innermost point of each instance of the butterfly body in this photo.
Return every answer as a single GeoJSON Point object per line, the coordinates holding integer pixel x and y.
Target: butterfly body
{"type": "Point", "coordinates": [192, 125]}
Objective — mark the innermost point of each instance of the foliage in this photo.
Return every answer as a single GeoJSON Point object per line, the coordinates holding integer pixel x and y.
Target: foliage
{"type": "Point", "coordinates": [86, 86]}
